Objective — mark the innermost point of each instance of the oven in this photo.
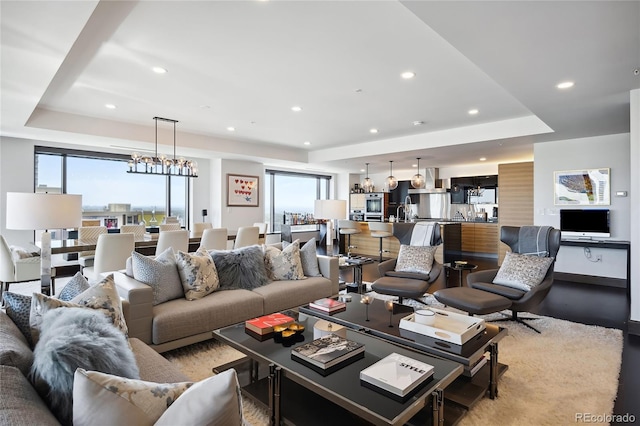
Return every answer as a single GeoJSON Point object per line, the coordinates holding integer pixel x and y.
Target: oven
{"type": "Point", "coordinates": [357, 215]}
{"type": "Point", "coordinates": [374, 206]}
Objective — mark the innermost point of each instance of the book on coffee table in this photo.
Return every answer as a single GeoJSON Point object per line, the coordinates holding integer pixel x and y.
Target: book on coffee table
{"type": "Point", "coordinates": [396, 376]}
{"type": "Point", "coordinates": [262, 327]}
{"type": "Point", "coordinates": [328, 353]}
{"type": "Point", "coordinates": [328, 305]}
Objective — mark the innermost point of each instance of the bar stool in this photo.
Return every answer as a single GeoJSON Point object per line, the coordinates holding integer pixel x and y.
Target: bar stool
{"type": "Point", "coordinates": [381, 230]}
{"type": "Point", "coordinates": [348, 228]}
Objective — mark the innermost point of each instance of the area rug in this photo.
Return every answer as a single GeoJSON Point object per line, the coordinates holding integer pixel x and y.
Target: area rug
{"type": "Point", "coordinates": [569, 370]}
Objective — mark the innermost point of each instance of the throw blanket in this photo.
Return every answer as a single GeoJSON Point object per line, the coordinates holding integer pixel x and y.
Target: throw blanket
{"type": "Point", "coordinates": [534, 240]}
{"type": "Point", "coordinates": [422, 234]}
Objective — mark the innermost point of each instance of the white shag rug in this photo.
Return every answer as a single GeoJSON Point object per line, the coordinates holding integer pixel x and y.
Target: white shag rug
{"type": "Point", "coordinates": [567, 370]}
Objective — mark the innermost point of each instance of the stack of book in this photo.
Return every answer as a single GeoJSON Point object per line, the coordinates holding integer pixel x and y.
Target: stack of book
{"type": "Point", "coordinates": [471, 370]}
{"type": "Point", "coordinates": [328, 305]}
{"type": "Point", "coordinates": [396, 376]}
{"type": "Point", "coordinates": [262, 327]}
{"type": "Point", "coordinates": [328, 353]}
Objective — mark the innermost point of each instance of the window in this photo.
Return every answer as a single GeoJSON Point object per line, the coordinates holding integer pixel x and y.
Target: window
{"type": "Point", "coordinates": [111, 196]}
{"type": "Point", "coordinates": [288, 192]}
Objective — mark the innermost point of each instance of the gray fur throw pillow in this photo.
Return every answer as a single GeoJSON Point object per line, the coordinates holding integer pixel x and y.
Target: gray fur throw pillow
{"type": "Point", "coordinates": [74, 338]}
{"type": "Point", "coordinates": [240, 268]}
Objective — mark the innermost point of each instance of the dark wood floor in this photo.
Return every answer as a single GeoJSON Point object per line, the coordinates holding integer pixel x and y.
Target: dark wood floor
{"type": "Point", "coordinates": [594, 305]}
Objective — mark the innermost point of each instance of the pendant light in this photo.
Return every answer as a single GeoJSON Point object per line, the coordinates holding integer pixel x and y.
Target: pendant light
{"type": "Point", "coordinates": [392, 182]}
{"type": "Point", "coordinates": [417, 181]}
{"type": "Point", "coordinates": [368, 183]}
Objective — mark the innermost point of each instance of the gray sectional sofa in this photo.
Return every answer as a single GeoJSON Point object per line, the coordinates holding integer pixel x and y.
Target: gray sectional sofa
{"type": "Point", "coordinates": [182, 322]}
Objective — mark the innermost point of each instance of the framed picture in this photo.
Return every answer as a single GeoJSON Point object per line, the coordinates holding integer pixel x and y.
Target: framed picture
{"type": "Point", "coordinates": [242, 190]}
{"type": "Point", "coordinates": [588, 187]}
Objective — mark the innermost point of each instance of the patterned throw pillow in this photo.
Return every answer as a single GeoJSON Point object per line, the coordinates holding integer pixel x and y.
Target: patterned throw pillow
{"type": "Point", "coordinates": [18, 308]}
{"type": "Point", "coordinates": [415, 259]}
{"type": "Point", "coordinates": [161, 274]}
{"type": "Point", "coordinates": [102, 296]}
{"type": "Point", "coordinates": [74, 287]}
{"type": "Point", "coordinates": [99, 396]}
{"type": "Point", "coordinates": [521, 271]}
{"type": "Point", "coordinates": [198, 273]}
{"type": "Point", "coordinates": [285, 264]}
{"type": "Point", "coordinates": [308, 257]}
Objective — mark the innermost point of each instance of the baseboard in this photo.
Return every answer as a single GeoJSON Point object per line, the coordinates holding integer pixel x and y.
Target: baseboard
{"type": "Point", "coordinates": [590, 279]}
{"type": "Point", "coordinates": [633, 327]}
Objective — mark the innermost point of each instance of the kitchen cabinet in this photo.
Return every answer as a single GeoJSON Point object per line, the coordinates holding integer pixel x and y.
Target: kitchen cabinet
{"type": "Point", "coordinates": [479, 237]}
{"type": "Point", "coordinates": [356, 202]}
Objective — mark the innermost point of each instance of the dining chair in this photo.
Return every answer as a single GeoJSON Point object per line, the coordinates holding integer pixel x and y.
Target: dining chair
{"type": "Point", "coordinates": [169, 227]}
{"type": "Point", "coordinates": [199, 228]}
{"type": "Point", "coordinates": [214, 239]}
{"type": "Point", "coordinates": [247, 236]}
{"type": "Point", "coordinates": [17, 271]}
{"type": "Point", "coordinates": [262, 230]}
{"type": "Point", "coordinates": [112, 251]}
{"type": "Point", "coordinates": [85, 258]}
{"type": "Point", "coordinates": [178, 240]}
{"type": "Point", "coordinates": [138, 231]}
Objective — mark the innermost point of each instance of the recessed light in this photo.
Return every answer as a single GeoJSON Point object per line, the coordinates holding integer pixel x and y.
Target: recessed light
{"type": "Point", "coordinates": [565, 85]}
{"type": "Point", "coordinates": [361, 170]}
{"type": "Point", "coordinates": [159, 70]}
{"type": "Point", "coordinates": [473, 111]}
{"type": "Point", "coordinates": [414, 165]}
{"type": "Point", "coordinates": [296, 108]}
{"type": "Point", "coordinates": [483, 158]}
{"type": "Point", "coordinates": [373, 130]}
{"type": "Point", "coordinates": [418, 123]}
{"type": "Point", "coordinates": [231, 129]}
{"type": "Point", "coordinates": [408, 74]}
{"type": "Point", "coordinates": [110, 106]}
{"type": "Point", "coordinates": [307, 143]}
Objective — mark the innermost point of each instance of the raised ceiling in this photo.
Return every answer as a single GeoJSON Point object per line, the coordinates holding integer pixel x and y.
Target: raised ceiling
{"type": "Point", "coordinates": [245, 64]}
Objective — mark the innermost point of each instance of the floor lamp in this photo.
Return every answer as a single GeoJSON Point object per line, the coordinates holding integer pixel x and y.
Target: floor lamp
{"type": "Point", "coordinates": [29, 211]}
{"type": "Point", "coordinates": [330, 210]}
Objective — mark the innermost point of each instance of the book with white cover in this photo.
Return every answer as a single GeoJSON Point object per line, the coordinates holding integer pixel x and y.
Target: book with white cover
{"type": "Point", "coordinates": [397, 374]}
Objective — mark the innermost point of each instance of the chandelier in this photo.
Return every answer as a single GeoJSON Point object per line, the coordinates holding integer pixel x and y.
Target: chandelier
{"type": "Point", "coordinates": [392, 182]}
{"type": "Point", "coordinates": [368, 183]}
{"type": "Point", "coordinates": [417, 181]}
{"type": "Point", "coordinates": [161, 164]}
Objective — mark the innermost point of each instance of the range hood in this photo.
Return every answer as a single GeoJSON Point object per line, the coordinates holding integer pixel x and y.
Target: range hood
{"type": "Point", "coordinates": [433, 185]}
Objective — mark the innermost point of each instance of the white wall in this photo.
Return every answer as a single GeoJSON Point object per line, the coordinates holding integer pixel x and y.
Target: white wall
{"type": "Point", "coordinates": [635, 203]}
{"type": "Point", "coordinates": [235, 217]}
{"type": "Point", "coordinates": [610, 151]}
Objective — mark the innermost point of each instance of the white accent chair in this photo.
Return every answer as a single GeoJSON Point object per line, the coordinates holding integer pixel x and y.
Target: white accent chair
{"type": "Point", "coordinates": [112, 251]}
{"type": "Point", "coordinates": [199, 228]}
{"type": "Point", "coordinates": [85, 258]}
{"type": "Point", "coordinates": [178, 240]}
{"type": "Point", "coordinates": [18, 271]}
{"type": "Point", "coordinates": [169, 227]}
{"type": "Point", "coordinates": [138, 231]}
{"type": "Point", "coordinates": [247, 236]}
{"type": "Point", "coordinates": [262, 230]}
{"type": "Point", "coordinates": [214, 239]}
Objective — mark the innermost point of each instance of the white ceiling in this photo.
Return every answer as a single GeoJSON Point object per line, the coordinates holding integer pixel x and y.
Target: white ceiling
{"type": "Point", "coordinates": [246, 63]}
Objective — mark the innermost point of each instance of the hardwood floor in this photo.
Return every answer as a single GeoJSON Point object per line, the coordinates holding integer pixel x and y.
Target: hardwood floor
{"type": "Point", "coordinates": [593, 305]}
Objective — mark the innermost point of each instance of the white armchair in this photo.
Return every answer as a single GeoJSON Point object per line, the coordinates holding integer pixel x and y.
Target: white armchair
{"type": "Point", "coordinates": [18, 271]}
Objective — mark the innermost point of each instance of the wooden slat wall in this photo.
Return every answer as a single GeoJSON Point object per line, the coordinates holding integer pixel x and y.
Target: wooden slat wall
{"type": "Point", "coordinates": [515, 183]}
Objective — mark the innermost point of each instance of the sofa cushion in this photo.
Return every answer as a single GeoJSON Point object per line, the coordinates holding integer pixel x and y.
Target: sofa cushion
{"type": "Point", "coordinates": [14, 350]}
{"type": "Point", "coordinates": [417, 259]}
{"type": "Point", "coordinates": [308, 257]}
{"type": "Point", "coordinates": [213, 401]}
{"type": "Point", "coordinates": [198, 273]}
{"type": "Point", "coordinates": [74, 287]}
{"type": "Point", "coordinates": [18, 308]}
{"type": "Point", "coordinates": [522, 272]}
{"type": "Point", "coordinates": [280, 295]}
{"type": "Point", "coordinates": [102, 296]}
{"type": "Point", "coordinates": [242, 268]}
{"type": "Point", "coordinates": [20, 404]}
{"type": "Point", "coordinates": [161, 274]}
{"type": "Point", "coordinates": [77, 338]}
{"type": "Point", "coordinates": [284, 264]}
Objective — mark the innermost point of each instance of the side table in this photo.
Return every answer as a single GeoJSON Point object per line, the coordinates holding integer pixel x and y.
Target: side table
{"type": "Point", "coordinates": [460, 267]}
{"type": "Point", "coordinates": [356, 262]}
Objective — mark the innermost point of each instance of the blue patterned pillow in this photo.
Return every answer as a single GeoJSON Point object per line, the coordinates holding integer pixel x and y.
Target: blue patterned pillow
{"type": "Point", "coordinates": [521, 271]}
{"type": "Point", "coordinates": [285, 264]}
{"type": "Point", "coordinates": [18, 308]}
{"type": "Point", "coordinates": [197, 273]}
{"type": "Point", "coordinates": [161, 274]}
{"type": "Point", "coordinates": [74, 287]}
{"type": "Point", "coordinates": [308, 257]}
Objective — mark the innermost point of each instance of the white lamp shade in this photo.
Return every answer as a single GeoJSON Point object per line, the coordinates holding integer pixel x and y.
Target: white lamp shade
{"type": "Point", "coordinates": [43, 211]}
{"type": "Point", "coordinates": [330, 209]}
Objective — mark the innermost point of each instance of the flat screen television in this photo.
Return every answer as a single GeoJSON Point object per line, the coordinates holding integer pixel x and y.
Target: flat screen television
{"type": "Point", "coordinates": [584, 223]}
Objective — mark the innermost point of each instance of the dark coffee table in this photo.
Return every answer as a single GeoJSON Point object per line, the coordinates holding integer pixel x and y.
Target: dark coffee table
{"type": "Point", "coordinates": [292, 389]}
{"type": "Point", "coordinates": [467, 390]}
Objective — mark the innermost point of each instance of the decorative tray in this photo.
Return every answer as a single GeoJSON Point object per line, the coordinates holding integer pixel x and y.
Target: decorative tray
{"type": "Point", "coordinates": [449, 326]}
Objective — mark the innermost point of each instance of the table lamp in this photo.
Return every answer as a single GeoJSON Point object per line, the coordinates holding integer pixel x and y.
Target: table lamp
{"type": "Point", "coordinates": [29, 211]}
{"type": "Point", "coordinates": [330, 210]}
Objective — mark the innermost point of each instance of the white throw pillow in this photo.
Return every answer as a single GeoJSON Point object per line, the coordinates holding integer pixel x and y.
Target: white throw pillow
{"type": "Point", "coordinates": [198, 273]}
{"type": "Point", "coordinates": [103, 398]}
{"type": "Point", "coordinates": [285, 264]}
{"type": "Point", "coordinates": [522, 271]}
{"type": "Point", "coordinates": [417, 259]}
